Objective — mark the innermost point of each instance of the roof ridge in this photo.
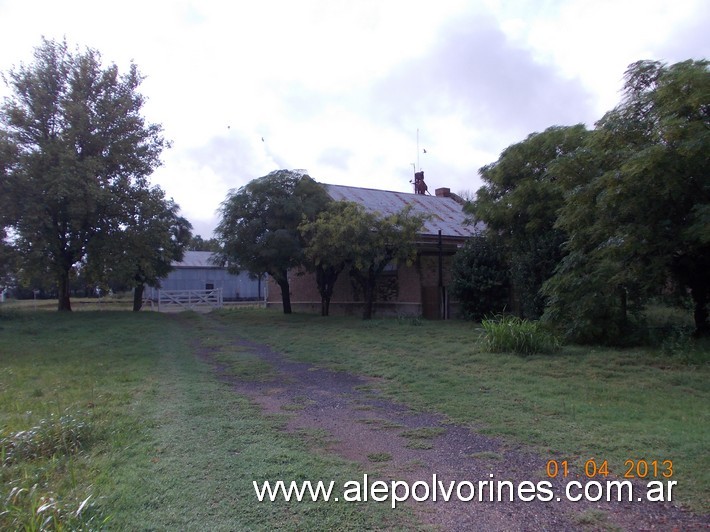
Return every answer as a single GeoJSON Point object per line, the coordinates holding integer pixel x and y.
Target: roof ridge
{"type": "Point", "coordinates": [375, 189]}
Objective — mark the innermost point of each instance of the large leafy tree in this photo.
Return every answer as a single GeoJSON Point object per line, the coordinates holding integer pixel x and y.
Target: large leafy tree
{"type": "Point", "coordinates": [82, 150]}
{"type": "Point", "coordinates": [258, 230]}
{"type": "Point", "coordinates": [329, 247]}
{"type": "Point", "coordinates": [519, 204]}
{"type": "Point", "coordinates": [377, 242]}
{"type": "Point", "coordinates": [364, 242]}
{"type": "Point", "coordinates": [639, 209]}
{"type": "Point", "coordinates": [7, 155]}
{"type": "Point", "coordinates": [141, 252]}
{"type": "Point", "coordinates": [6, 261]}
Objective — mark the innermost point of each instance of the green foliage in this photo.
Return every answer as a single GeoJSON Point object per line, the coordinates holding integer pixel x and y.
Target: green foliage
{"type": "Point", "coordinates": [519, 204]}
{"type": "Point", "coordinates": [676, 341]}
{"type": "Point", "coordinates": [80, 152]}
{"type": "Point", "coordinates": [346, 235]}
{"type": "Point", "coordinates": [258, 230]}
{"type": "Point", "coordinates": [197, 243]}
{"type": "Point", "coordinates": [583, 305]}
{"type": "Point", "coordinates": [480, 278]}
{"type": "Point", "coordinates": [533, 262]}
{"type": "Point", "coordinates": [670, 331]}
{"type": "Point", "coordinates": [594, 224]}
{"type": "Point", "coordinates": [521, 195]}
{"type": "Point", "coordinates": [637, 209]}
{"type": "Point", "coordinates": [141, 252]}
{"type": "Point", "coordinates": [328, 246]}
{"type": "Point", "coordinates": [380, 241]}
{"type": "Point", "coordinates": [6, 261]}
{"type": "Point", "coordinates": [521, 336]}
{"type": "Point", "coordinates": [7, 156]}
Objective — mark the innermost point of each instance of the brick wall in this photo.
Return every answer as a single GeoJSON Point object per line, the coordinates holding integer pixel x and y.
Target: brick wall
{"type": "Point", "coordinates": [429, 265]}
{"type": "Point", "coordinates": [397, 293]}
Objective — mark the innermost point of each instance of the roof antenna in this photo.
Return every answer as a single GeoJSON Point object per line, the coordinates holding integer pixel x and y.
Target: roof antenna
{"type": "Point", "coordinates": [419, 184]}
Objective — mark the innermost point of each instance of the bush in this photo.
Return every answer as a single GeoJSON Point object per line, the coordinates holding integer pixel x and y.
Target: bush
{"type": "Point", "coordinates": [480, 278]}
{"type": "Point", "coordinates": [524, 337]}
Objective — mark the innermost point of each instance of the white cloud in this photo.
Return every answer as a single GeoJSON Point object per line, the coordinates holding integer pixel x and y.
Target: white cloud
{"type": "Point", "coordinates": [340, 88]}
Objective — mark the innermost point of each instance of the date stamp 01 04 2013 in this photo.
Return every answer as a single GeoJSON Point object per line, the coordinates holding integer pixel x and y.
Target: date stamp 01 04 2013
{"type": "Point", "coordinates": [656, 473]}
{"type": "Point", "coordinates": [641, 469]}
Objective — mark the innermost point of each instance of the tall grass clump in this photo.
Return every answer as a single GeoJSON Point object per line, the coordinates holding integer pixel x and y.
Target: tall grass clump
{"type": "Point", "coordinates": [30, 510]}
{"type": "Point", "coordinates": [513, 334]}
{"type": "Point", "coordinates": [51, 437]}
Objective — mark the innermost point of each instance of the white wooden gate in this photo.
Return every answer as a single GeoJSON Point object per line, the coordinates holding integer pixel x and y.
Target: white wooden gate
{"type": "Point", "coordinates": [189, 299]}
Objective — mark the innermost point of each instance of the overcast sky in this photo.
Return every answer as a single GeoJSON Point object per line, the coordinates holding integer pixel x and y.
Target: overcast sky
{"type": "Point", "coordinates": [340, 88]}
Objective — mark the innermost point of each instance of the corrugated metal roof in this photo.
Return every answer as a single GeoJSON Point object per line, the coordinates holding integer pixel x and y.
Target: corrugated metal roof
{"type": "Point", "coordinates": [196, 259]}
{"type": "Point", "coordinates": [445, 213]}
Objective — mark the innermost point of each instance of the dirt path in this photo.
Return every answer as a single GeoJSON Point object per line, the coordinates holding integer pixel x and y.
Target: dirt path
{"type": "Point", "coordinates": [397, 443]}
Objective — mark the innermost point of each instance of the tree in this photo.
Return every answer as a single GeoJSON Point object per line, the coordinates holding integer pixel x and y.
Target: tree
{"type": "Point", "coordinates": [197, 243]}
{"type": "Point", "coordinates": [82, 148]}
{"type": "Point", "coordinates": [154, 241]}
{"type": "Point", "coordinates": [7, 155]}
{"type": "Point", "coordinates": [637, 215]}
{"type": "Point", "coordinates": [519, 204]}
{"type": "Point", "coordinates": [329, 246]}
{"type": "Point", "coordinates": [378, 242]}
{"type": "Point", "coordinates": [366, 243]}
{"type": "Point", "coordinates": [6, 261]}
{"type": "Point", "coordinates": [480, 278]}
{"type": "Point", "coordinates": [141, 252]}
{"type": "Point", "coordinates": [258, 230]}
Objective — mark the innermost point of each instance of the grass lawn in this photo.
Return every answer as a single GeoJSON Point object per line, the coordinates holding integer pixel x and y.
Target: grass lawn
{"type": "Point", "coordinates": [110, 420]}
{"type": "Point", "coordinates": [126, 428]}
{"type": "Point", "coordinates": [577, 404]}
{"type": "Point", "coordinates": [108, 302]}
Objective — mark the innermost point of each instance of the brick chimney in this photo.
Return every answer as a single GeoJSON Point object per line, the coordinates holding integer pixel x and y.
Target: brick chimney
{"type": "Point", "coordinates": [446, 193]}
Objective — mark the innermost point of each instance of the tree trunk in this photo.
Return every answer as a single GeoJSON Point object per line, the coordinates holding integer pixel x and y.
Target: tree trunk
{"type": "Point", "coordinates": [325, 279]}
{"type": "Point", "coordinates": [623, 297]}
{"type": "Point", "coordinates": [64, 303]}
{"type": "Point", "coordinates": [285, 295]}
{"type": "Point", "coordinates": [692, 271]}
{"type": "Point", "coordinates": [369, 294]}
{"type": "Point", "coordinates": [138, 297]}
{"type": "Point", "coordinates": [700, 314]}
{"type": "Point", "coordinates": [367, 282]}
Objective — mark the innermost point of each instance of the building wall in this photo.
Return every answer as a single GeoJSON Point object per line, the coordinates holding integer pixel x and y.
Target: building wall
{"type": "Point", "coordinates": [234, 287]}
{"type": "Point", "coordinates": [400, 292]}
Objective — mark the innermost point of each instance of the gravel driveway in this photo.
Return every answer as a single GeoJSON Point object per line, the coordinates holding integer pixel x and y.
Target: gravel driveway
{"type": "Point", "coordinates": [396, 443]}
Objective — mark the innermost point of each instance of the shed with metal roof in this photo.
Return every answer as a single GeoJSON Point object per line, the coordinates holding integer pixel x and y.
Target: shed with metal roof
{"type": "Point", "coordinates": [201, 270]}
